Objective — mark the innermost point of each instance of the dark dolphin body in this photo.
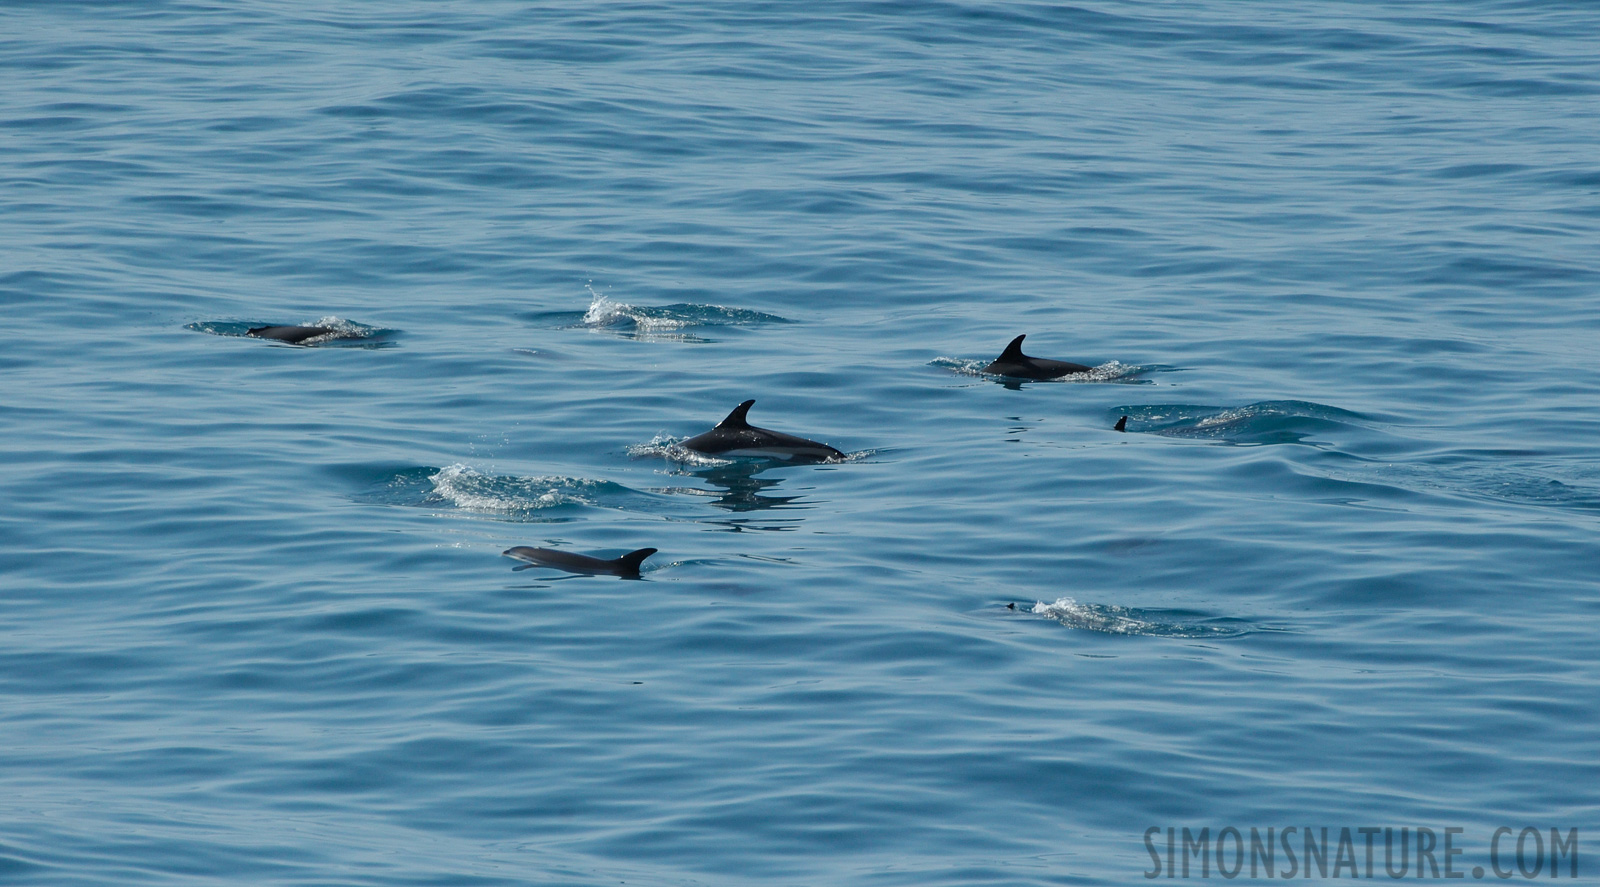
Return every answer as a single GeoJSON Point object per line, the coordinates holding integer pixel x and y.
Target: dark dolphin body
{"type": "Point", "coordinates": [295, 335]}
{"type": "Point", "coordinates": [1012, 362]}
{"type": "Point", "coordinates": [734, 436]}
{"type": "Point", "coordinates": [626, 566]}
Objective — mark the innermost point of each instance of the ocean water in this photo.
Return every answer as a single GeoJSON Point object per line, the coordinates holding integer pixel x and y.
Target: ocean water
{"type": "Point", "coordinates": [1339, 265]}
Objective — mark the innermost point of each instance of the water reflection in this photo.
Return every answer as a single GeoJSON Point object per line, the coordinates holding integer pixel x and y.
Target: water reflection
{"type": "Point", "coordinates": [740, 525]}
{"type": "Point", "coordinates": [738, 487]}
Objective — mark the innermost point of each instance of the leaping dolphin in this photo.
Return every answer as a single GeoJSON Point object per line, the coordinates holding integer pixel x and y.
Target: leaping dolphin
{"type": "Point", "coordinates": [626, 566]}
{"type": "Point", "coordinates": [735, 436]}
{"type": "Point", "coordinates": [1012, 362]}
{"type": "Point", "coordinates": [295, 335]}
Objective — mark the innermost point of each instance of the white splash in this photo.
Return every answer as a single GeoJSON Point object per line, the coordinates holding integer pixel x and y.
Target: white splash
{"type": "Point", "coordinates": [468, 489]}
{"type": "Point", "coordinates": [603, 312]}
{"type": "Point", "coordinates": [339, 328]}
{"type": "Point", "coordinates": [1122, 620]}
{"type": "Point", "coordinates": [1070, 613]}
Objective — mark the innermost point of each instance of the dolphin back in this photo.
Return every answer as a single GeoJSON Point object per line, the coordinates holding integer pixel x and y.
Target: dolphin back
{"type": "Point", "coordinates": [1012, 362]}
{"type": "Point", "coordinates": [735, 436]}
{"type": "Point", "coordinates": [627, 565]}
{"type": "Point", "coordinates": [294, 335]}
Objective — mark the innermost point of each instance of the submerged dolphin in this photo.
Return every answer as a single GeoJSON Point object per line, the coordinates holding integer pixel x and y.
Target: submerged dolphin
{"type": "Point", "coordinates": [294, 335]}
{"type": "Point", "coordinates": [1012, 362]}
{"type": "Point", "coordinates": [626, 566]}
{"type": "Point", "coordinates": [734, 436]}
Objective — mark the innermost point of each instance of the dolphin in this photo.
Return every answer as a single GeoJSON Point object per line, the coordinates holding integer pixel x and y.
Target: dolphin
{"type": "Point", "coordinates": [1012, 362]}
{"type": "Point", "coordinates": [734, 436]}
{"type": "Point", "coordinates": [295, 335]}
{"type": "Point", "coordinates": [626, 566]}
{"type": "Point", "coordinates": [1122, 424]}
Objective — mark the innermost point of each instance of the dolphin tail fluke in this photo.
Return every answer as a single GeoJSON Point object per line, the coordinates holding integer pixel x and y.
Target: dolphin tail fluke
{"type": "Point", "coordinates": [736, 419]}
{"type": "Point", "coordinates": [1122, 424]}
{"type": "Point", "coordinates": [1014, 350]}
{"type": "Point", "coordinates": [633, 559]}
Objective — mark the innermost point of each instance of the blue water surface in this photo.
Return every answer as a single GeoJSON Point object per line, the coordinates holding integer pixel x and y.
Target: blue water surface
{"type": "Point", "coordinates": [1337, 262]}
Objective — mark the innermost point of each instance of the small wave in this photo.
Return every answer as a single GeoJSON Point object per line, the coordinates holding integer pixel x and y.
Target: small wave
{"type": "Point", "coordinates": [540, 498]}
{"type": "Point", "coordinates": [1128, 621]}
{"type": "Point", "coordinates": [343, 332]}
{"type": "Point", "coordinates": [1110, 371]}
{"type": "Point", "coordinates": [1507, 483]}
{"type": "Point", "coordinates": [1534, 489]}
{"type": "Point", "coordinates": [605, 313]}
{"type": "Point", "coordinates": [1268, 422]}
{"type": "Point", "coordinates": [655, 322]}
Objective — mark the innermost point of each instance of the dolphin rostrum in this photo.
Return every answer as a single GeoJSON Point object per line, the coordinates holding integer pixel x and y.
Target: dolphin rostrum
{"type": "Point", "coordinates": [295, 335]}
{"type": "Point", "coordinates": [626, 566]}
{"type": "Point", "coordinates": [1012, 362]}
{"type": "Point", "coordinates": [735, 436]}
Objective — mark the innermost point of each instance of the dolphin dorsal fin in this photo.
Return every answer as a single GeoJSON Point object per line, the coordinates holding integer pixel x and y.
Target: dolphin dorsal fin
{"type": "Point", "coordinates": [736, 418]}
{"type": "Point", "coordinates": [633, 559]}
{"type": "Point", "coordinates": [1014, 350]}
{"type": "Point", "coordinates": [1122, 424]}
